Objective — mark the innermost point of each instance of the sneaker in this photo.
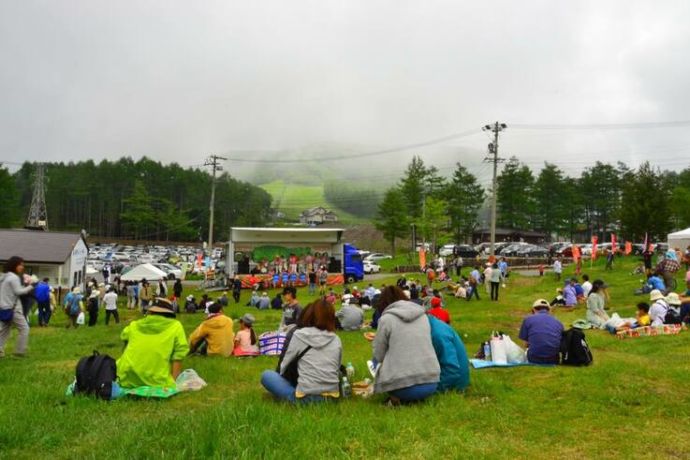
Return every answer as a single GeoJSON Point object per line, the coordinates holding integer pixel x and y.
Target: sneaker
{"type": "Point", "coordinates": [372, 368]}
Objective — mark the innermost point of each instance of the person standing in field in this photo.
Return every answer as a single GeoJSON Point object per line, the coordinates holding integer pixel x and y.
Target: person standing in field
{"type": "Point", "coordinates": [110, 302]}
{"type": "Point", "coordinates": [42, 294]}
{"type": "Point", "coordinates": [11, 313]}
{"type": "Point", "coordinates": [496, 277]}
{"type": "Point", "coordinates": [557, 269]}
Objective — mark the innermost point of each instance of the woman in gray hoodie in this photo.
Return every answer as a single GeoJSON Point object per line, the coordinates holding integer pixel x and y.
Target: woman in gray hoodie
{"type": "Point", "coordinates": [10, 289]}
{"type": "Point", "coordinates": [318, 352]}
{"type": "Point", "coordinates": [408, 369]}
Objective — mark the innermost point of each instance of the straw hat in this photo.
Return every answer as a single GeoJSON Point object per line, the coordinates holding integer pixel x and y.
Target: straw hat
{"type": "Point", "coordinates": [673, 299]}
{"type": "Point", "coordinates": [161, 305]}
{"type": "Point", "coordinates": [655, 295]}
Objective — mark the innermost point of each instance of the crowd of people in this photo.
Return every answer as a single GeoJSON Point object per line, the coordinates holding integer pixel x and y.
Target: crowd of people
{"type": "Point", "coordinates": [415, 351]}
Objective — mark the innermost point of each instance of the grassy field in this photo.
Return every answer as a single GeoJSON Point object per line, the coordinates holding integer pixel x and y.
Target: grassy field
{"type": "Point", "coordinates": [631, 403]}
{"type": "Point", "coordinates": [292, 199]}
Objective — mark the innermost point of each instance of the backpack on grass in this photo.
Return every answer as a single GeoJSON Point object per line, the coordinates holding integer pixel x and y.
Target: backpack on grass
{"type": "Point", "coordinates": [95, 376]}
{"type": "Point", "coordinates": [574, 348]}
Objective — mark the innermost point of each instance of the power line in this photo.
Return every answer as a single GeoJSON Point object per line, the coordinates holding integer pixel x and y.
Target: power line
{"type": "Point", "coordinates": [643, 125]}
{"type": "Point", "coordinates": [360, 155]}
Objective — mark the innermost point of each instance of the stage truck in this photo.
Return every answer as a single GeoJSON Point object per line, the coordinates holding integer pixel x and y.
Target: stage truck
{"type": "Point", "coordinates": [257, 251]}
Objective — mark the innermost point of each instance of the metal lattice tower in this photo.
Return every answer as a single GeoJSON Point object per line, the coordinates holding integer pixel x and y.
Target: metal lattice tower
{"type": "Point", "coordinates": [38, 213]}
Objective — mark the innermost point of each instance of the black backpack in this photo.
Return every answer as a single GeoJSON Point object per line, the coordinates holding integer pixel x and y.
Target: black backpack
{"type": "Point", "coordinates": [574, 348]}
{"type": "Point", "coordinates": [95, 376]}
{"type": "Point", "coordinates": [672, 317]}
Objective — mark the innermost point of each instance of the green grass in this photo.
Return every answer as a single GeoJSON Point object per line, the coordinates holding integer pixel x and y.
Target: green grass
{"type": "Point", "coordinates": [292, 199]}
{"type": "Point", "coordinates": [632, 402]}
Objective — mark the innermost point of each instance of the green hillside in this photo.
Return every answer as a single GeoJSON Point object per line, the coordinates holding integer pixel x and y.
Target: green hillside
{"type": "Point", "coordinates": [292, 199]}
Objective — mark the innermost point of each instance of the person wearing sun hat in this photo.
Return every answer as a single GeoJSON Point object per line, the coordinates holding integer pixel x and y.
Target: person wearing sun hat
{"type": "Point", "coordinates": [674, 306]}
{"type": "Point", "coordinates": [214, 336]}
{"type": "Point", "coordinates": [154, 348]}
{"type": "Point", "coordinates": [542, 334]}
{"type": "Point", "coordinates": [659, 308]}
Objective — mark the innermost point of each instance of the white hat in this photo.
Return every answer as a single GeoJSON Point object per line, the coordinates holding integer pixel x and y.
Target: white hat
{"type": "Point", "coordinates": [673, 299]}
{"type": "Point", "coordinates": [655, 295]}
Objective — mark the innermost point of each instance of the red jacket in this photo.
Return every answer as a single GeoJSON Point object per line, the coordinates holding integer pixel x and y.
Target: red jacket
{"type": "Point", "coordinates": [440, 313]}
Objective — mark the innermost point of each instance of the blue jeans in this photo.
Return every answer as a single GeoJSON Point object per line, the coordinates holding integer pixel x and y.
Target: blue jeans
{"type": "Point", "coordinates": [43, 313]}
{"type": "Point", "coordinates": [282, 390]}
{"type": "Point", "coordinates": [415, 392]}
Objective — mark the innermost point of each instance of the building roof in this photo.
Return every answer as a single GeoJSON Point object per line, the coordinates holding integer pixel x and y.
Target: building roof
{"type": "Point", "coordinates": [36, 246]}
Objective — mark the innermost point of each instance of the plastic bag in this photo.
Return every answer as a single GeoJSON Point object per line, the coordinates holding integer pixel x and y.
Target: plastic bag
{"type": "Point", "coordinates": [498, 350]}
{"type": "Point", "coordinates": [189, 380]}
{"type": "Point", "coordinates": [514, 353]}
{"type": "Point", "coordinates": [80, 318]}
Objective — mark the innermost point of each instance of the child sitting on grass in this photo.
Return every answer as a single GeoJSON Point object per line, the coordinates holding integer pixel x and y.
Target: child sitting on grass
{"type": "Point", "coordinates": [245, 340]}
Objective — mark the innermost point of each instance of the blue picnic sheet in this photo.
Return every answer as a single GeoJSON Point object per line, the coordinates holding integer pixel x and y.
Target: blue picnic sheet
{"type": "Point", "coordinates": [481, 364]}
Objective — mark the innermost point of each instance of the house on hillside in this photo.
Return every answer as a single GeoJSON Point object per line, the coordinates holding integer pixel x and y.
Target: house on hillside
{"type": "Point", "coordinates": [317, 216]}
{"type": "Point", "coordinates": [60, 257]}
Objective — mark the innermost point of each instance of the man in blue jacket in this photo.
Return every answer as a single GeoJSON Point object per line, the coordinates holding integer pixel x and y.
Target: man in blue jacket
{"type": "Point", "coordinates": [42, 294]}
{"type": "Point", "coordinates": [451, 355]}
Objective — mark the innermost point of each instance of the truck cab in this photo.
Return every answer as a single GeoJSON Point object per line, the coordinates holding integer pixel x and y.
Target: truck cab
{"type": "Point", "coordinates": [353, 267]}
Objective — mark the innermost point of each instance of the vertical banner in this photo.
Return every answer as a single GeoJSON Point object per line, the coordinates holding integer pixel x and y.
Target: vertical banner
{"type": "Point", "coordinates": [628, 248]}
{"type": "Point", "coordinates": [646, 242]}
{"type": "Point", "coordinates": [614, 243]}
{"type": "Point", "coordinates": [595, 240]}
{"type": "Point", "coordinates": [422, 258]}
{"type": "Point", "coordinates": [576, 253]}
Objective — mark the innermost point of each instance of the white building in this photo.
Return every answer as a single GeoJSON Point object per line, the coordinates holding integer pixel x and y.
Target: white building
{"type": "Point", "coordinates": [60, 257]}
{"type": "Point", "coordinates": [317, 215]}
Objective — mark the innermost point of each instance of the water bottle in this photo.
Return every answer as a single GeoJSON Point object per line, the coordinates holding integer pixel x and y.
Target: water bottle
{"type": "Point", "coordinates": [350, 371]}
{"type": "Point", "coordinates": [487, 351]}
{"type": "Point", "coordinates": [347, 389]}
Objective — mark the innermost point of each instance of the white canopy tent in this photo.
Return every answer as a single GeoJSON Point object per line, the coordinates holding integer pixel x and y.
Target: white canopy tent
{"type": "Point", "coordinates": [144, 271]}
{"type": "Point", "coordinates": [679, 240]}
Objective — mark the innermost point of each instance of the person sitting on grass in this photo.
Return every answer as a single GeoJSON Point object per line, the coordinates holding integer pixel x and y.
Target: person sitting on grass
{"type": "Point", "coordinates": [641, 319]}
{"type": "Point", "coordinates": [154, 348]}
{"type": "Point", "coordinates": [438, 311]}
{"type": "Point", "coordinates": [569, 294]}
{"type": "Point", "coordinates": [659, 308]}
{"type": "Point", "coordinates": [214, 336]}
{"type": "Point", "coordinates": [542, 334]}
{"type": "Point", "coordinates": [654, 281]}
{"type": "Point", "coordinates": [277, 302]}
{"type": "Point", "coordinates": [264, 302]}
{"type": "Point", "coordinates": [245, 339]}
{"type": "Point", "coordinates": [596, 303]}
{"type": "Point", "coordinates": [407, 366]}
{"type": "Point", "coordinates": [579, 291]}
{"type": "Point", "coordinates": [451, 355]}
{"type": "Point", "coordinates": [559, 300]}
{"type": "Point", "coordinates": [317, 352]}
{"type": "Point", "coordinates": [350, 317]}
{"type": "Point", "coordinates": [254, 299]}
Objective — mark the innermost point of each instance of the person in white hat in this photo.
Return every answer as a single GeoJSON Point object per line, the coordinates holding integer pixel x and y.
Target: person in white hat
{"type": "Point", "coordinates": [674, 306]}
{"type": "Point", "coordinates": [92, 307]}
{"type": "Point", "coordinates": [659, 308]}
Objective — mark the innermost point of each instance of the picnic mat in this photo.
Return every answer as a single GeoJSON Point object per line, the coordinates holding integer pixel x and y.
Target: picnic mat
{"type": "Point", "coordinates": [482, 364]}
{"type": "Point", "coordinates": [650, 331]}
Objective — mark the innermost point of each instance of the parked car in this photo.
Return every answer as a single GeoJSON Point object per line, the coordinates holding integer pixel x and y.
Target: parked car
{"type": "Point", "coordinates": [446, 250]}
{"type": "Point", "coordinates": [512, 250]}
{"type": "Point", "coordinates": [532, 250]}
{"type": "Point", "coordinates": [374, 256]}
{"type": "Point", "coordinates": [172, 271]}
{"type": "Point", "coordinates": [371, 267]}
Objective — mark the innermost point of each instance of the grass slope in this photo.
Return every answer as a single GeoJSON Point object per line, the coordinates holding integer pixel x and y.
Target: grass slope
{"type": "Point", "coordinates": [292, 199]}
{"type": "Point", "coordinates": [631, 403]}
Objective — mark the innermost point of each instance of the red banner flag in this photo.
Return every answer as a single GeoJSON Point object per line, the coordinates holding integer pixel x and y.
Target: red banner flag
{"type": "Point", "coordinates": [422, 258]}
{"type": "Point", "coordinates": [576, 253]}
{"type": "Point", "coordinates": [646, 242]}
{"type": "Point", "coordinates": [614, 244]}
{"type": "Point", "coordinates": [595, 240]}
{"type": "Point", "coordinates": [628, 248]}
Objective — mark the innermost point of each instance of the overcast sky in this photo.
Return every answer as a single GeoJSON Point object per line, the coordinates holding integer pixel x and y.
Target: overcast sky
{"type": "Point", "coordinates": [177, 80]}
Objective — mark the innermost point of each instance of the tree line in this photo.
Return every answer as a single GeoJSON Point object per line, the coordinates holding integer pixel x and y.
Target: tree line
{"type": "Point", "coordinates": [605, 198]}
{"type": "Point", "coordinates": [142, 199]}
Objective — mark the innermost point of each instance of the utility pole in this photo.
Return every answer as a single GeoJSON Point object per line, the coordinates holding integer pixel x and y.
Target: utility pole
{"type": "Point", "coordinates": [38, 212]}
{"type": "Point", "coordinates": [493, 158]}
{"type": "Point", "coordinates": [212, 161]}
